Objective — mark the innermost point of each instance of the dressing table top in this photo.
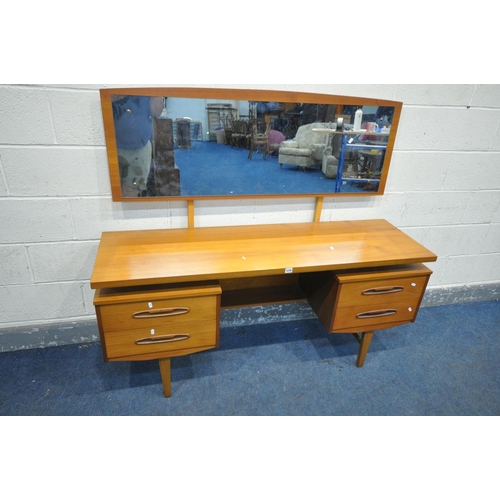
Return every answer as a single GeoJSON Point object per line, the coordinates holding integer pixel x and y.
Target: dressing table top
{"type": "Point", "coordinates": [136, 258]}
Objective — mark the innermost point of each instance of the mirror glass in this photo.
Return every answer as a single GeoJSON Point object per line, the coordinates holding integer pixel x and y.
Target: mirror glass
{"type": "Point", "coordinates": [180, 143]}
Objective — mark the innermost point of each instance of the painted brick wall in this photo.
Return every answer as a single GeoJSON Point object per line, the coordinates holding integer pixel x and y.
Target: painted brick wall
{"type": "Point", "coordinates": [443, 190]}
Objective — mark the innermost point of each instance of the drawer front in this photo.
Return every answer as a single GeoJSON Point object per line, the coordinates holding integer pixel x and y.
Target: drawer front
{"type": "Point", "coordinates": [164, 340]}
{"type": "Point", "coordinates": [382, 292]}
{"type": "Point", "coordinates": [363, 317]}
{"type": "Point", "coordinates": [173, 313]}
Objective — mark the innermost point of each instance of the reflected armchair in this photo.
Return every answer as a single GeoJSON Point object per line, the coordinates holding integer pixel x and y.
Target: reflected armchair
{"type": "Point", "coordinates": [276, 138]}
{"type": "Point", "coordinates": [331, 156]}
{"type": "Point", "coordinates": [307, 149]}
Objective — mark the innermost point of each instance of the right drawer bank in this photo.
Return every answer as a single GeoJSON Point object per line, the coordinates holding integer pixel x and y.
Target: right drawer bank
{"type": "Point", "coordinates": [367, 300]}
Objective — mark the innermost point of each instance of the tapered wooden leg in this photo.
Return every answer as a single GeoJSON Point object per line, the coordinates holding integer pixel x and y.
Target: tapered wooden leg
{"type": "Point", "coordinates": [165, 376]}
{"type": "Point", "coordinates": [366, 340]}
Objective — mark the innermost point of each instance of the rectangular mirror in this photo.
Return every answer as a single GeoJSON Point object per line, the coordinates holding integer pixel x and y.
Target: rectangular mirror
{"type": "Point", "coordinates": [192, 143]}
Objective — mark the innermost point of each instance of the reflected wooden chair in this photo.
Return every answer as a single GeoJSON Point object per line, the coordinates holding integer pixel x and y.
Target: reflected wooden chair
{"type": "Point", "coordinates": [259, 141]}
{"type": "Point", "coordinates": [239, 131]}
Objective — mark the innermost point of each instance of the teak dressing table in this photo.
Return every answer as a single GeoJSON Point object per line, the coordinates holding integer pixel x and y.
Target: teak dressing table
{"type": "Point", "coordinates": [159, 292]}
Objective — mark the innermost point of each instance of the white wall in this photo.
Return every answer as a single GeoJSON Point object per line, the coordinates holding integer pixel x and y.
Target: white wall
{"type": "Point", "coordinates": [443, 190]}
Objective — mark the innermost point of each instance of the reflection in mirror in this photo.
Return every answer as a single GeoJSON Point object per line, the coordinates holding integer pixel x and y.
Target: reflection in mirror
{"type": "Point", "coordinates": [163, 146]}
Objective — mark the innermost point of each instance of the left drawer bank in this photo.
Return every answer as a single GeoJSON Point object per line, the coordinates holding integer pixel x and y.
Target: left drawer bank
{"type": "Point", "coordinates": [158, 322]}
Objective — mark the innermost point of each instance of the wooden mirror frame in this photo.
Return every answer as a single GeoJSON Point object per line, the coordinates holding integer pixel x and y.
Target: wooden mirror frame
{"type": "Point", "coordinates": [238, 95]}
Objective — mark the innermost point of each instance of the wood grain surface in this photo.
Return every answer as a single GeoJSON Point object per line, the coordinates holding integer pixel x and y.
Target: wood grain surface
{"type": "Point", "coordinates": [133, 258]}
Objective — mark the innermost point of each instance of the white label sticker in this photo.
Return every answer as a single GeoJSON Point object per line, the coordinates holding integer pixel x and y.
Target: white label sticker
{"type": "Point", "coordinates": [289, 270]}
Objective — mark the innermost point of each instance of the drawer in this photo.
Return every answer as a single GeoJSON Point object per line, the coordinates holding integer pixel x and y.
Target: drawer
{"type": "Point", "coordinates": [147, 314]}
{"type": "Point", "coordinates": [364, 318]}
{"type": "Point", "coordinates": [374, 299]}
{"type": "Point", "coordinates": [164, 340]}
{"type": "Point", "coordinates": [382, 292]}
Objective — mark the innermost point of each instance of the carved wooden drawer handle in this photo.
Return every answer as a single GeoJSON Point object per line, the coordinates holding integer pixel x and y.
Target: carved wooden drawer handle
{"type": "Point", "coordinates": [162, 340]}
{"type": "Point", "coordinates": [377, 314]}
{"type": "Point", "coordinates": [161, 313]}
{"type": "Point", "coordinates": [383, 290]}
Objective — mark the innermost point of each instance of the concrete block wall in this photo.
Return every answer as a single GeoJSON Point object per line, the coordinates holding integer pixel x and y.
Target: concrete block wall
{"type": "Point", "coordinates": [443, 190]}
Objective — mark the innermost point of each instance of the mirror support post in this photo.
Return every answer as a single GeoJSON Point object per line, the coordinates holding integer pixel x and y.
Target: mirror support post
{"type": "Point", "coordinates": [318, 208]}
{"type": "Point", "coordinates": [191, 214]}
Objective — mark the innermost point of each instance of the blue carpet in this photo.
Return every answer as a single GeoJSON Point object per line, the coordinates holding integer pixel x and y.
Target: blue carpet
{"type": "Point", "coordinates": [208, 167]}
{"type": "Point", "coordinates": [444, 364]}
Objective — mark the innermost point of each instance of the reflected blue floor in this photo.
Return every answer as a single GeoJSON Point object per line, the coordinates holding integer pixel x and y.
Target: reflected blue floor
{"type": "Point", "coordinates": [444, 364]}
{"type": "Point", "coordinates": [218, 169]}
